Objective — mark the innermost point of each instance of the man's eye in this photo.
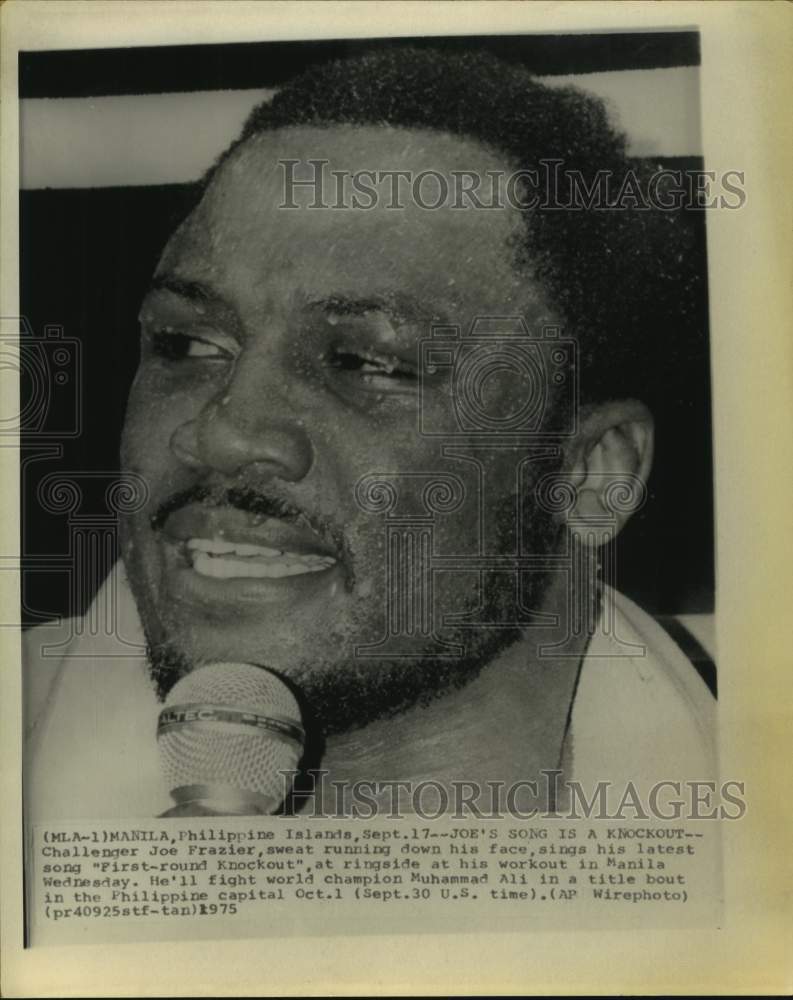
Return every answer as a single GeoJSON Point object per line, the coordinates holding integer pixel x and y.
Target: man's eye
{"type": "Point", "coordinates": [371, 366]}
{"type": "Point", "coordinates": [175, 346]}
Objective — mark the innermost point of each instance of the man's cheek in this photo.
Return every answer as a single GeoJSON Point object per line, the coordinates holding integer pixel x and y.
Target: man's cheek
{"type": "Point", "coordinates": [366, 542]}
{"type": "Point", "coordinates": [151, 420]}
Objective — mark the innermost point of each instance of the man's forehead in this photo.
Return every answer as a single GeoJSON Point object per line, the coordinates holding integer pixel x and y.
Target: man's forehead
{"type": "Point", "coordinates": [242, 234]}
{"type": "Point", "coordinates": [410, 176]}
{"type": "Point", "coordinates": [357, 147]}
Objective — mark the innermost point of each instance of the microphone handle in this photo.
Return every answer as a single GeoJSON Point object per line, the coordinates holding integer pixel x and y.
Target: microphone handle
{"type": "Point", "coordinates": [219, 800]}
{"type": "Point", "coordinates": [193, 809]}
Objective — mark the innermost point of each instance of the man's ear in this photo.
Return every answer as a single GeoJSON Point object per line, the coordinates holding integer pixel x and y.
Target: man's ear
{"type": "Point", "coordinates": [608, 463]}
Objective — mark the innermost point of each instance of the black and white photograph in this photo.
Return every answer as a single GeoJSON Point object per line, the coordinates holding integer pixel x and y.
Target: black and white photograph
{"type": "Point", "coordinates": [357, 423]}
{"type": "Point", "coordinates": [369, 559]}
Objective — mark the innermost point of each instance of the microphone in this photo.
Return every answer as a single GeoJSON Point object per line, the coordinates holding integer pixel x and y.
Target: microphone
{"type": "Point", "coordinates": [225, 733]}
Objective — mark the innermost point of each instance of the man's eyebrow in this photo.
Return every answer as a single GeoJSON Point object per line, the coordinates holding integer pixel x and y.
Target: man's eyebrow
{"type": "Point", "coordinates": [195, 291]}
{"type": "Point", "coordinates": [395, 304]}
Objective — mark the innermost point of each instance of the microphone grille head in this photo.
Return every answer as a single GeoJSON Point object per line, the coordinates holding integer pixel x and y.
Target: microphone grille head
{"type": "Point", "coordinates": [230, 725]}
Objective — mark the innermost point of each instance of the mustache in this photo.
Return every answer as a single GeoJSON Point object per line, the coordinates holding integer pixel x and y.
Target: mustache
{"type": "Point", "coordinates": [252, 502]}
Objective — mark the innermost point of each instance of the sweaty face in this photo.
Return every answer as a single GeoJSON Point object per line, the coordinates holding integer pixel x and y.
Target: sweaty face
{"type": "Point", "coordinates": [279, 368]}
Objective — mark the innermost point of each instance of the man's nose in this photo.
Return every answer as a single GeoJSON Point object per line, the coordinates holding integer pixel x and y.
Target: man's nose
{"type": "Point", "coordinates": [232, 437]}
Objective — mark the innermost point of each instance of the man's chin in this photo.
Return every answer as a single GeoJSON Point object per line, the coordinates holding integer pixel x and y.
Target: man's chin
{"type": "Point", "coordinates": [344, 696]}
{"type": "Point", "coordinates": [167, 666]}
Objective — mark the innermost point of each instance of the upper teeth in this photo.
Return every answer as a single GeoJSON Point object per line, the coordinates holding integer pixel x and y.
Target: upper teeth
{"type": "Point", "coordinates": [225, 559]}
{"type": "Point", "coordinates": [218, 546]}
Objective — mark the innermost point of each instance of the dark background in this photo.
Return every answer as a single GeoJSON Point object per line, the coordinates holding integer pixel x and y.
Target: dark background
{"type": "Point", "coordinates": [87, 256]}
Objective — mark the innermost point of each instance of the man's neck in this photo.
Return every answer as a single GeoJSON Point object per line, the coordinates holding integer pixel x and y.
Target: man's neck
{"type": "Point", "coordinates": [506, 725]}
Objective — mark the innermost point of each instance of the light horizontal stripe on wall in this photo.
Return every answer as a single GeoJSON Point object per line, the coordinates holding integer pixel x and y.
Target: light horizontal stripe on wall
{"type": "Point", "coordinates": [133, 140]}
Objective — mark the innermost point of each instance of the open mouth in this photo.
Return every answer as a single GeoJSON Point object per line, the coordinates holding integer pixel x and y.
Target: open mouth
{"type": "Point", "coordinates": [224, 560]}
{"type": "Point", "coordinates": [220, 553]}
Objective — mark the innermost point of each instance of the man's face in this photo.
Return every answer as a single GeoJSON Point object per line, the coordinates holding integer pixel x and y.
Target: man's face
{"type": "Point", "coordinates": [278, 368]}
